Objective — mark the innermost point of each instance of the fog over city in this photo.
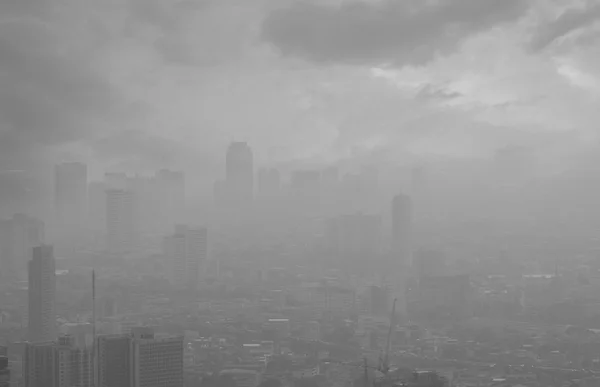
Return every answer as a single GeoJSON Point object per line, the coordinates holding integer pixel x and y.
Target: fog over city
{"type": "Point", "coordinates": [303, 193]}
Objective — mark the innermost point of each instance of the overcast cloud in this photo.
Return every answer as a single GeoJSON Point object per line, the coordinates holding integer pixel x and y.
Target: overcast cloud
{"type": "Point", "coordinates": [171, 82]}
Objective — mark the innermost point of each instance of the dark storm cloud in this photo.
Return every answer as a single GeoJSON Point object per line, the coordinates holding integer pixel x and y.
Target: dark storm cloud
{"type": "Point", "coordinates": [387, 31]}
{"type": "Point", "coordinates": [566, 23]}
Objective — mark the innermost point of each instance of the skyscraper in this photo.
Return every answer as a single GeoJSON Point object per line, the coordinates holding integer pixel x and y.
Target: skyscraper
{"type": "Point", "coordinates": [401, 228]}
{"type": "Point", "coordinates": [70, 197]}
{"type": "Point", "coordinates": [39, 365]}
{"type": "Point", "coordinates": [4, 371]}
{"type": "Point", "coordinates": [115, 362]}
{"type": "Point", "coordinates": [239, 175]}
{"type": "Point", "coordinates": [187, 251]}
{"type": "Point", "coordinates": [74, 363]}
{"type": "Point", "coordinates": [157, 362]}
{"type": "Point", "coordinates": [121, 225]}
{"type": "Point", "coordinates": [42, 293]}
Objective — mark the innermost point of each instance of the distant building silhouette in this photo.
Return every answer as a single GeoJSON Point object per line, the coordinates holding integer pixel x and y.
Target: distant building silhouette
{"type": "Point", "coordinates": [42, 293]}
{"type": "Point", "coordinates": [402, 228]}
{"type": "Point", "coordinates": [186, 251]}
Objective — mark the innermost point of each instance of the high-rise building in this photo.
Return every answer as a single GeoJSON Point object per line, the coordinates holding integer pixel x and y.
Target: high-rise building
{"type": "Point", "coordinates": [18, 236]}
{"type": "Point", "coordinates": [70, 197]}
{"type": "Point", "coordinates": [115, 361]}
{"type": "Point", "coordinates": [74, 366]}
{"type": "Point", "coordinates": [4, 371]}
{"type": "Point", "coordinates": [157, 362]}
{"type": "Point", "coordinates": [39, 365]}
{"type": "Point", "coordinates": [239, 175]}
{"type": "Point", "coordinates": [42, 292]}
{"type": "Point", "coordinates": [402, 228]}
{"type": "Point", "coordinates": [121, 228]}
{"type": "Point", "coordinates": [187, 252]}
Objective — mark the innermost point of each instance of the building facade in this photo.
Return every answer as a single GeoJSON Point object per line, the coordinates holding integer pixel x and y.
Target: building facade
{"type": "Point", "coordinates": [157, 362]}
{"type": "Point", "coordinates": [42, 293]}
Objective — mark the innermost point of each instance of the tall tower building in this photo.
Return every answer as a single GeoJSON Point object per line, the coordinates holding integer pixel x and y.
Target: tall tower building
{"type": "Point", "coordinates": [42, 293]}
{"type": "Point", "coordinates": [4, 371]}
{"type": "Point", "coordinates": [121, 230]}
{"type": "Point", "coordinates": [39, 365]}
{"type": "Point", "coordinates": [18, 236]}
{"type": "Point", "coordinates": [402, 228]}
{"type": "Point", "coordinates": [239, 175]}
{"type": "Point", "coordinates": [187, 252]}
{"type": "Point", "coordinates": [157, 362]}
{"type": "Point", "coordinates": [115, 362]}
{"type": "Point", "coordinates": [70, 197]}
{"type": "Point", "coordinates": [74, 363]}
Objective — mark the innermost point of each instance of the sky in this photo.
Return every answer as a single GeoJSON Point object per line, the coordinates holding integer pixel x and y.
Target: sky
{"type": "Point", "coordinates": [137, 84]}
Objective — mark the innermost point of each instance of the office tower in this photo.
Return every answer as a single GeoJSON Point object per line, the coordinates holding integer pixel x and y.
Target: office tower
{"type": "Point", "coordinates": [187, 251]}
{"type": "Point", "coordinates": [401, 228]}
{"type": "Point", "coordinates": [115, 362]}
{"type": "Point", "coordinates": [239, 174]}
{"type": "Point", "coordinates": [74, 363]}
{"type": "Point", "coordinates": [18, 236]}
{"type": "Point", "coordinates": [42, 292]}
{"type": "Point", "coordinates": [269, 182]}
{"type": "Point", "coordinates": [4, 371]}
{"type": "Point", "coordinates": [70, 197]}
{"type": "Point", "coordinates": [157, 362]}
{"type": "Point", "coordinates": [121, 227]}
{"type": "Point", "coordinates": [39, 368]}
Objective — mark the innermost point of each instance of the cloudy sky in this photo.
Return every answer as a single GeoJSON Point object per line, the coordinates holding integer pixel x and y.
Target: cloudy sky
{"type": "Point", "coordinates": [156, 82]}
